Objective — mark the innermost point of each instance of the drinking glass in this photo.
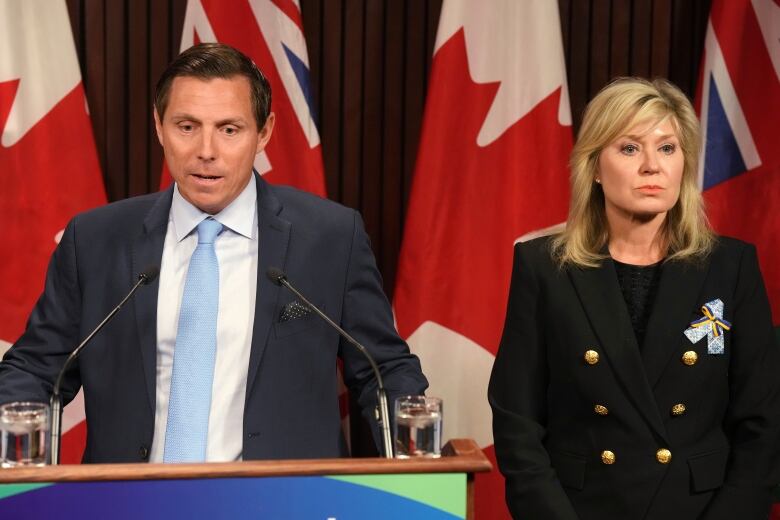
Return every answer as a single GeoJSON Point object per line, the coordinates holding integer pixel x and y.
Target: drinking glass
{"type": "Point", "coordinates": [24, 432]}
{"type": "Point", "coordinates": [418, 422]}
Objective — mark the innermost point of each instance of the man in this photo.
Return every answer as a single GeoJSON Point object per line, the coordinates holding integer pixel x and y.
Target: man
{"type": "Point", "coordinates": [213, 361]}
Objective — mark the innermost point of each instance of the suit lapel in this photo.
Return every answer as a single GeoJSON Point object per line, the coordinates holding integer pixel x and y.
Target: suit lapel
{"type": "Point", "coordinates": [603, 302]}
{"type": "Point", "coordinates": [147, 251]}
{"type": "Point", "coordinates": [274, 237]}
{"type": "Point", "coordinates": [678, 291]}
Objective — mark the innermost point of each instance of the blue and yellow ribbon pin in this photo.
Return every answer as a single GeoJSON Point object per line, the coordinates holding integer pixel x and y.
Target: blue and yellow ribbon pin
{"type": "Point", "coordinates": [711, 324]}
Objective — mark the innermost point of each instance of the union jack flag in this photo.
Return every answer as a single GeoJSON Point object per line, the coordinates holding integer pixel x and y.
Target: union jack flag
{"type": "Point", "coordinates": [738, 100]}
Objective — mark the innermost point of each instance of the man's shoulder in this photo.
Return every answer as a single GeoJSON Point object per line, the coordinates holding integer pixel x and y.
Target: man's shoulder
{"type": "Point", "coordinates": [301, 206]}
{"type": "Point", "coordinates": [124, 208]}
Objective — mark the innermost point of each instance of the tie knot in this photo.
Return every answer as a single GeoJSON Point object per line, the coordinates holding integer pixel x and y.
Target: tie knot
{"type": "Point", "coordinates": [208, 231]}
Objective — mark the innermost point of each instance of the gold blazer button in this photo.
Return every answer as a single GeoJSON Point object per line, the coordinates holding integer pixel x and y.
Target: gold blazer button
{"type": "Point", "coordinates": [678, 409]}
{"type": "Point", "coordinates": [607, 457]}
{"type": "Point", "coordinates": [690, 358]}
{"type": "Point", "coordinates": [663, 456]}
{"type": "Point", "coordinates": [601, 409]}
{"type": "Point", "coordinates": [591, 357]}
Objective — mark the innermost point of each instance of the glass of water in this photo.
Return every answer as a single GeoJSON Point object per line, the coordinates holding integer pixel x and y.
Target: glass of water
{"type": "Point", "coordinates": [418, 426]}
{"type": "Point", "coordinates": [24, 429]}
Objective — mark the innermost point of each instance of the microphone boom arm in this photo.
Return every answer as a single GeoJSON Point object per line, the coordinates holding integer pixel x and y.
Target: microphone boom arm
{"type": "Point", "coordinates": [384, 414]}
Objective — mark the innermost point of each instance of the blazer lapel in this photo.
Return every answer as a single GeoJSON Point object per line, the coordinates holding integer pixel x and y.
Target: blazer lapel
{"type": "Point", "coordinates": [678, 291]}
{"type": "Point", "coordinates": [603, 302]}
{"type": "Point", "coordinates": [147, 251]}
{"type": "Point", "coordinates": [274, 238]}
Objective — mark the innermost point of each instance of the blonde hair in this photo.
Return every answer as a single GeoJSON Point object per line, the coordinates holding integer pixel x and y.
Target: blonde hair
{"type": "Point", "coordinates": [618, 107]}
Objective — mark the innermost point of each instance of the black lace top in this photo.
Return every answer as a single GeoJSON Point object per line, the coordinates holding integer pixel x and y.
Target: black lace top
{"type": "Point", "coordinates": [639, 284]}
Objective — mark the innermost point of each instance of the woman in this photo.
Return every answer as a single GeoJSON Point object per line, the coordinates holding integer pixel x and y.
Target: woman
{"type": "Point", "coordinates": [637, 375]}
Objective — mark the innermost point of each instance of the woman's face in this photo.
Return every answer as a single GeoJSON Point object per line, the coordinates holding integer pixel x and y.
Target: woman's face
{"type": "Point", "coordinates": [641, 171]}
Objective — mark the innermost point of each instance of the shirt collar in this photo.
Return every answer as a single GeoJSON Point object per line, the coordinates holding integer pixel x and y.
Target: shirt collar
{"type": "Point", "coordinates": [239, 216]}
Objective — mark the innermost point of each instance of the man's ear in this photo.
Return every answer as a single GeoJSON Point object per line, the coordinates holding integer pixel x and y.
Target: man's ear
{"type": "Point", "coordinates": [158, 127]}
{"type": "Point", "coordinates": [265, 134]}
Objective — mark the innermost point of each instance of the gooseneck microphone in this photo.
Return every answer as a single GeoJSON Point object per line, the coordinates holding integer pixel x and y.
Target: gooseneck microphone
{"type": "Point", "coordinates": [278, 277]}
{"type": "Point", "coordinates": [55, 434]}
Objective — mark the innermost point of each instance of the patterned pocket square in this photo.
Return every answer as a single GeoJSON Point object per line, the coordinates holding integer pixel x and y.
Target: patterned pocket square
{"type": "Point", "coordinates": [293, 311]}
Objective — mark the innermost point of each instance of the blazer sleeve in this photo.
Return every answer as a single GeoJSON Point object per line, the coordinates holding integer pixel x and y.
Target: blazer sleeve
{"type": "Point", "coordinates": [367, 316]}
{"type": "Point", "coordinates": [517, 390]}
{"type": "Point", "coordinates": [753, 414]}
{"type": "Point", "coordinates": [30, 367]}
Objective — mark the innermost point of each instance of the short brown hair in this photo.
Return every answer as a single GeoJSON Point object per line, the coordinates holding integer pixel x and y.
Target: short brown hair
{"type": "Point", "coordinates": [216, 60]}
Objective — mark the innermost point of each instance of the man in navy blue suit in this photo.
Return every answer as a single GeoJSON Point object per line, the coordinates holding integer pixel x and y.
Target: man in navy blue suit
{"type": "Point", "coordinates": [273, 379]}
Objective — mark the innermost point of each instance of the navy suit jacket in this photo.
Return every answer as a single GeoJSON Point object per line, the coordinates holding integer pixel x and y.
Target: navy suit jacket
{"type": "Point", "coordinates": [291, 408]}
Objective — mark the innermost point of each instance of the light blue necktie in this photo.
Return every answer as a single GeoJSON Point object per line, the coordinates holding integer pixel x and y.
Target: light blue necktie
{"type": "Point", "coordinates": [193, 357]}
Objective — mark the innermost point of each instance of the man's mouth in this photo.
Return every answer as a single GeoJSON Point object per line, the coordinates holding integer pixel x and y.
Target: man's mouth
{"type": "Point", "coordinates": [206, 177]}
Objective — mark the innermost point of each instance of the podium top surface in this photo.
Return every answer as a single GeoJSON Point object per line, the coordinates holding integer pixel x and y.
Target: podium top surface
{"type": "Point", "coordinates": [459, 456]}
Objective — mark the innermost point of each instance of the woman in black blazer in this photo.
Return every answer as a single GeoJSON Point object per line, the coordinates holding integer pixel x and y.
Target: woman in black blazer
{"type": "Point", "coordinates": [637, 376]}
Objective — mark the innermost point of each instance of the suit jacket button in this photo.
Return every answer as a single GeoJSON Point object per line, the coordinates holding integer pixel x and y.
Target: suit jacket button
{"type": "Point", "coordinates": [663, 456]}
{"type": "Point", "coordinates": [607, 457]}
{"type": "Point", "coordinates": [690, 357]}
{"type": "Point", "coordinates": [143, 451]}
{"type": "Point", "coordinates": [591, 357]}
{"type": "Point", "coordinates": [678, 409]}
{"type": "Point", "coordinates": [601, 409]}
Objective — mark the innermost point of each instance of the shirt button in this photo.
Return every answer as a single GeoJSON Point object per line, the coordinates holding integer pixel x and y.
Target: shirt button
{"type": "Point", "coordinates": [663, 456]}
{"type": "Point", "coordinates": [143, 451]}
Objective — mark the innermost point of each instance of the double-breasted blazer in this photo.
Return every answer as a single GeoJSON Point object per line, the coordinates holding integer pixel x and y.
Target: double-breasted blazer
{"type": "Point", "coordinates": [589, 424]}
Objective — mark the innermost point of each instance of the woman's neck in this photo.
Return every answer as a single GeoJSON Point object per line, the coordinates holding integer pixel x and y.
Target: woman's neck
{"type": "Point", "coordinates": [636, 240]}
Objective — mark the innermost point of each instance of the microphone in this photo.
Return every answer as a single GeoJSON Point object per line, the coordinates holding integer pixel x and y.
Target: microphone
{"type": "Point", "coordinates": [146, 277]}
{"type": "Point", "coordinates": [278, 277]}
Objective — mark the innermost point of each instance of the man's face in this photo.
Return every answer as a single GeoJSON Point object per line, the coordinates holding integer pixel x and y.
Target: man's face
{"type": "Point", "coordinates": [210, 139]}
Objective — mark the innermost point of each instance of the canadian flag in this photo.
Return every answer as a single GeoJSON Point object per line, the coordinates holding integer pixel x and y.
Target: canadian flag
{"type": "Point", "coordinates": [270, 32]}
{"type": "Point", "coordinates": [48, 161]}
{"type": "Point", "coordinates": [491, 170]}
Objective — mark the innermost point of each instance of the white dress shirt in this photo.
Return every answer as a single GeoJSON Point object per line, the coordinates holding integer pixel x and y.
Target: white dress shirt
{"type": "Point", "coordinates": [236, 249]}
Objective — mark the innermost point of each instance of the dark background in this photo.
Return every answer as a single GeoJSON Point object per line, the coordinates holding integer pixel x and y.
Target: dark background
{"type": "Point", "coordinates": [369, 64]}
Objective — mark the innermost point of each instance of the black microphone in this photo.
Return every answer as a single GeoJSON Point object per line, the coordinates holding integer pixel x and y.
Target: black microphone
{"type": "Point", "coordinates": [278, 277]}
{"type": "Point", "coordinates": [148, 276]}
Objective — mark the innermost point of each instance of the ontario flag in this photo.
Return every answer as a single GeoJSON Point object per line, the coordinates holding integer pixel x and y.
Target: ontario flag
{"type": "Point", "coordinates": [270, 32]}
{"type": "Point", "coordinates": [491, 170]}
{"type": "Point", "coordinates": [48, 161]}
{"type": "Point", "coordinates": [738, 100]}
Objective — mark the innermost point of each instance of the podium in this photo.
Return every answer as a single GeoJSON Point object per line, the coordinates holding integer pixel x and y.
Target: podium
{"type": "Point", "coordinates": [326, 489]}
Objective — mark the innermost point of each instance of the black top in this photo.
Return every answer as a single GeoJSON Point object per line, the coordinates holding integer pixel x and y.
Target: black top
{"type": "Point", "coordinates": [639, 285]}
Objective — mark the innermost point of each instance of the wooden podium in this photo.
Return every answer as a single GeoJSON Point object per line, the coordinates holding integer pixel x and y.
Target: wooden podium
{"type": "Point", "coordinates": [328, 489]}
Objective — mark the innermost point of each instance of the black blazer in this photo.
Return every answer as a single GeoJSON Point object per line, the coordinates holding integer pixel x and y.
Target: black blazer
{"type": "Point", "coordinates": [291, 408]}
{"type": "Point", "coordinates": [556, 414]}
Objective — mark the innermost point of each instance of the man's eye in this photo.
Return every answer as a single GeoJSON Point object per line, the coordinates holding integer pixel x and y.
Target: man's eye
{"type": "Point", "coordinates": [184, 127]}
{"type": "Point", "coordinates": [230, 130]}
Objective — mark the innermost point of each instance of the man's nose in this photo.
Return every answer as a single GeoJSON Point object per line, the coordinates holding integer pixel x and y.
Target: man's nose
{"type": "Point", "coordinates": [207, 150]}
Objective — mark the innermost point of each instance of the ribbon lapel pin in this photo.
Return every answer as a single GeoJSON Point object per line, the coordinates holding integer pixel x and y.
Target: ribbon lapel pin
{"type": "Point", "coordinates": [711, 324]}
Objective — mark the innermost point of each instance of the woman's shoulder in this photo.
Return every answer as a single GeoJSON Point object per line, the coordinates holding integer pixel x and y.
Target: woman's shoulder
{"type": "Point", "coordinates": [728, 248]}
{"type": "Point", "coordinates": [537, 251]}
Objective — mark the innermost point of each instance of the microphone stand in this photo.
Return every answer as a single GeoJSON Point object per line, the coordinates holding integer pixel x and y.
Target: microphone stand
{"type": "Point", "coordinates": [384, 415]}
{"type": "Point", "coordinates": [55, 431]}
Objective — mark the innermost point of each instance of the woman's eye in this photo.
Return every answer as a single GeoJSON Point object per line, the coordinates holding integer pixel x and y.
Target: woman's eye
{"type": "Point", "coordinates": [630, 149]}
{"type": "Point", "coordinates": [668, 149]}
